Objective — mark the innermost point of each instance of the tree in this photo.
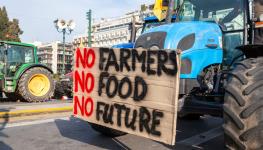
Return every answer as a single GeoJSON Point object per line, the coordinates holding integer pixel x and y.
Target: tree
{"type": "Point", "coordinates": [4, 21]}
{"type": "Point", "coordinates": [9, 30]}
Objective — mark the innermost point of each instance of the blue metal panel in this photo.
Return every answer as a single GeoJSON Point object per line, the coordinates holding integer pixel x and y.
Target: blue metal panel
{"type": "Point", "coordinates": [201, 54]}
{"type": "Point", "coordinates": [123, 45]}
{"type": "Point", "coordinates": [201, 59]}
{"type": "Point", "coordinates": [154, 18]}
{"type": "Point", "coordinates": [150, 18]}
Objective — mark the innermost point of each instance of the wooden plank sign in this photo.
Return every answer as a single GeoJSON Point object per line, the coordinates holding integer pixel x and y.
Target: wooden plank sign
{"type": "Point", "coordinates": [131, 90]}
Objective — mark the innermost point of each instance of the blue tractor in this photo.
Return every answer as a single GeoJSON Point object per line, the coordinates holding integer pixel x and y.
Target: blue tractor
{"type": "Point", "coordinates": [221, 63]}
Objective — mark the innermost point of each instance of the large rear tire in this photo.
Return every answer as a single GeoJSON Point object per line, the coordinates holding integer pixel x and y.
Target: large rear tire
{"type": "Point", "coordinates": [106, 131]}
{"type": "Point", "coordinates": [36, 85]}
{"type": "Point", "coordinates": [243, 106]}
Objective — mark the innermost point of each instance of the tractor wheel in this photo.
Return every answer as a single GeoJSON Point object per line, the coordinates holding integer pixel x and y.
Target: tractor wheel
{"type": "Point", "coordinates": [63, 89]}
{"type": "Point", "coordinates": [67, 86]}
{"type": "Point", "coordinates": [243, 106]}
{"type": "Point", "coordinates": [106, 131]}
{"type": "Point", "coordinates": [36, 85]}
{"type": "Point", "coordinates": [59, 91]}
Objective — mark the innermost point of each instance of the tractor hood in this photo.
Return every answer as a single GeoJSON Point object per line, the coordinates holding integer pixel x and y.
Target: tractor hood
{"type": "Point", "coordinates": [182, 35]}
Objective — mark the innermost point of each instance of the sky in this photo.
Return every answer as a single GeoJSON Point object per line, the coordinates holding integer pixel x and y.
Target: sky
{"type": "Point", "coordinates": [36, 16]}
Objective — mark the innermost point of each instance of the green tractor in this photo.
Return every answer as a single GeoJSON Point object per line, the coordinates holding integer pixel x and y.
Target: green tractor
{"type": "Point", "coordinates": [21, 75]}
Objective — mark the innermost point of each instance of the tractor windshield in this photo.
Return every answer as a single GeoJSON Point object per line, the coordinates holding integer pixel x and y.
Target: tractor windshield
{"type": "Point", "coordinates": [227, 13]}
{"type": "Point", "coordinates": [16, 56]}
{"type": "Point", "coordinates": [19, 54]}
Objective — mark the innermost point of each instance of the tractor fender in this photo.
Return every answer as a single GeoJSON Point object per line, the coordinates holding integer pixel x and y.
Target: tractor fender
{"type": "Point", "coordinates": [23, 69]}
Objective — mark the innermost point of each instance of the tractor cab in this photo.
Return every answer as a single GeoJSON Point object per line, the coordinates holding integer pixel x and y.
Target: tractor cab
{"type": "Point", "coordinates": [227, 14]}
{"type": "Point", "coordinates": [221, 19]}
{"type": "Point", "coordinates": [13, 56]}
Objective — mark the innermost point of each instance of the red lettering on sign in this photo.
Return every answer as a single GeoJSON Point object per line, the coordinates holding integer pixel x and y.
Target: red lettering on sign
{"type": "Point", "coordinates": [79, 80]}
{"type": "Point", "coordinates": [85, 81]}
{"type": "Point", "coordinates": [79, 58]}
{"type": "Point", "coordinates": [82, 106]}
{"type": "Point", "coordinates": [87, 60]}
{"type": "Point", "coordinates": [89, 88]}
{"type": "Point", "coordinates": [79, 105]}
{"type": "Point", "coordinates": [90, 55]}
{"type": "Point", "coordinates": [88, 113]}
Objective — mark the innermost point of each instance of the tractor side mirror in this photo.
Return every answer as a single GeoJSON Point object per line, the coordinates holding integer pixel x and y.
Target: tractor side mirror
{"type": "Point", "coordinates": [181, 2]}
{"type": "Point", "coordinates": [178, 3]}
{"type": "Point", "coordinates": [258, 21]}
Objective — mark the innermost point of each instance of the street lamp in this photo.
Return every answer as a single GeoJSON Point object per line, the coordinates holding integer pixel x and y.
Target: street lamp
{"type": "Point", "coordinates": [66, 28]}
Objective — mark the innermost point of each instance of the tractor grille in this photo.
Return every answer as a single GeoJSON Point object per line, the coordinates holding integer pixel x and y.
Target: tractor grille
{"type": "Point", "coordinates": [148, 40]}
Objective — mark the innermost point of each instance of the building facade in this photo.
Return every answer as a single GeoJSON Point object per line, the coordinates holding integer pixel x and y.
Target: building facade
{"type": "Point", "coordinates": [109, 32]}
{"type": "Point", "coordinates": [52, 55]}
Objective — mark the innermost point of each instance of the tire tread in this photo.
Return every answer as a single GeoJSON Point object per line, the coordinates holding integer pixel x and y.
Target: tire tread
{"type": "Point", "coordinates": [243, 102]}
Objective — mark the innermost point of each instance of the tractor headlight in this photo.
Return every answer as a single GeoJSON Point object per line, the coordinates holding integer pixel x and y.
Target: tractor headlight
{"type": "Point", "coordinates": [13, 68]}
{"type": "Point", "coordinates": [9, 82]}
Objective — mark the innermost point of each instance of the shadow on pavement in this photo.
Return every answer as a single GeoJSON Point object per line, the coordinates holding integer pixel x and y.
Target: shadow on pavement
{"type": "Point", "coordinates": [79, 130]}
{"type": "Point", "coordinates": [3, 123]}
{"type": "Point", "coordinates": [197, 126]}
